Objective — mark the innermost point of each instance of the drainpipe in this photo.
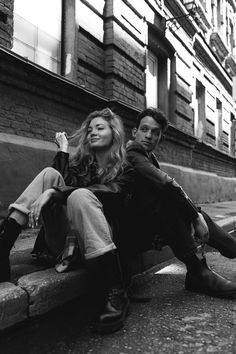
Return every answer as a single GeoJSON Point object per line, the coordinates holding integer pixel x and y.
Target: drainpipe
{"type": "Point", "coordinates": [69, 40]}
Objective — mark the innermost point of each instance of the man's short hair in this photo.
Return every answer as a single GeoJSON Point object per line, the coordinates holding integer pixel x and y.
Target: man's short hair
{"type": "Point", "coordinates": [156, 114]}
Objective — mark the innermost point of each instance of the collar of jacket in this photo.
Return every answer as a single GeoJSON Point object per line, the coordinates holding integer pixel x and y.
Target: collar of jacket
{"type": "Point", "coordinates": [133, 145]}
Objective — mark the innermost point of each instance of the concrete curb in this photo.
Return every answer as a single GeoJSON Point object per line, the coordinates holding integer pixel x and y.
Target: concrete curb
{"type": "Point", "coordinates": [39, 292]}
{"type": "Point", "coordinates": [48, 289]}
{"type": "Point", "coordinates": [14, 304]}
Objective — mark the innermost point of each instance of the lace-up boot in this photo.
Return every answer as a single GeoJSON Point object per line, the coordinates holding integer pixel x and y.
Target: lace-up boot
{"type": "Point", "coordinates": [114, 311]}
{"type": "Point", "coordinates": [115, 301]}
{"type": "Point", "coordinates": [9, 232]}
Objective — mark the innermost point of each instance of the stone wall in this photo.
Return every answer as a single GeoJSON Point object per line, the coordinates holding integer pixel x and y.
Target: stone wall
{"type": "Point", "coordinates": [6, 22]}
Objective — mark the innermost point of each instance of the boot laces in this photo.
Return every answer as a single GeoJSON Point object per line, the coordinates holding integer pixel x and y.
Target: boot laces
{"type": "Point", "coordinates": [114, 296]}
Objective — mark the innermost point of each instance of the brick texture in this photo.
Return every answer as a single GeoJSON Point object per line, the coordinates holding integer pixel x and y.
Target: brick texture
{"type": "Point", "coordinates": [6, 22]}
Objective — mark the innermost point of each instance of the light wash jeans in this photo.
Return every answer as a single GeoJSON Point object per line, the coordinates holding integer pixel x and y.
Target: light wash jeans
{"type": "Point", "coordinates": [83, 215]}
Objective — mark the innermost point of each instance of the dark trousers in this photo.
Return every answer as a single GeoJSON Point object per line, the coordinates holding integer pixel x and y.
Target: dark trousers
{"type": "Point", "coordinates": [220, 239]}
{"type": "Point", "coordinates": [175, 231]}
{"type": "Point", "coordinates": [166, 226]}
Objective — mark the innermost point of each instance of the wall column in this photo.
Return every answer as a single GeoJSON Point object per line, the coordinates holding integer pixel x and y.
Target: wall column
{"type": "Point", "coordinates": [69, 39]}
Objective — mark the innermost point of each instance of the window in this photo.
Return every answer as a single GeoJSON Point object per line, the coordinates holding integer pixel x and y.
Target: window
{"type": "Point", "coordinates": [200, 111]}
{"type": "Point", "coordinates": [218, 125]}
{"type": "Point", "coordinates": [231, 37]}
{"type": "Point", "coordinates": [151, 80]}
{"type": "Point", "coordinates": [219, 16]}
{"type": "Point", "coordinates": [232, 135]}
{"type": "Point", "coordinates": [160, 56]}
{"type": "Point", "coordinates": [37, 32]}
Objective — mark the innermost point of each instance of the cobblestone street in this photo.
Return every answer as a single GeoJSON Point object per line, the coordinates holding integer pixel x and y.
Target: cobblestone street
{"type": "Point", "coordinates": [174, 321]}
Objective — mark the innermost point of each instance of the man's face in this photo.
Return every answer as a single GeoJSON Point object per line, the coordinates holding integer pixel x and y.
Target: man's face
{"type": "Point", "coordinates": [148, 134]}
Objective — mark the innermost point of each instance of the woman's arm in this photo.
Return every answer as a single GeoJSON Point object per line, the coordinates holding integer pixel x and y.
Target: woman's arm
{"type": "Point", "coordinates": [37, 206]}
{"type": "Point", "coordinates": [61, 161]}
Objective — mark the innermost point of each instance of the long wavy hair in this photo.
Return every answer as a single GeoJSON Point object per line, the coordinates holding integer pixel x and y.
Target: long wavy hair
{"type": "Point", "coordinates": [84, 156]}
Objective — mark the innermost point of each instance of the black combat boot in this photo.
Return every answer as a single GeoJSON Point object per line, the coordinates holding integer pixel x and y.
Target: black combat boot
{"type": "Point", "coordinates": [115, 305]}
{"type": "Point", "coordinates": [114, 311]}
{"type": "Point", "coordinates": [201, 279]}
{"type": "Point", "coordinates": [9, 231]}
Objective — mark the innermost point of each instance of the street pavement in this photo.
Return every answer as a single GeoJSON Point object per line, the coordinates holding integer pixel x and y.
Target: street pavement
{"type": "Point", "coordinates": [224, 213]}
{"type": "Point", "coordinates": [174, 321]}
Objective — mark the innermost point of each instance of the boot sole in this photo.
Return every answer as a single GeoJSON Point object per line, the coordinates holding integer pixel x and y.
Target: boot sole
{"type": "Point", "coordinates": [107, 328]}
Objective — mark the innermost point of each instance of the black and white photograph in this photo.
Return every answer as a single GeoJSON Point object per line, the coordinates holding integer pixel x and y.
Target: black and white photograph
{"type": "Point", "coordinates": [117, 176]}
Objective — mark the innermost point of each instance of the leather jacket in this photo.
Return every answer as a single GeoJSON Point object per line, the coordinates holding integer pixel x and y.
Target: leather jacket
{"type": "Point", "coordinates": [153, 186]}
{"type": "Point", "coordinates": [113, 195]}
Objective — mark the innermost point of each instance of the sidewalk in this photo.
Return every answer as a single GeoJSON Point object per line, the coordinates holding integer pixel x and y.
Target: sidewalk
{"type": "Point", "coordinates": [34, 290]}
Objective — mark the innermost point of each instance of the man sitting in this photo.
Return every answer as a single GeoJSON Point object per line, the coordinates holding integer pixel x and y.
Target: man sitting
{"type": "Point", "coordinates": [161, 207]}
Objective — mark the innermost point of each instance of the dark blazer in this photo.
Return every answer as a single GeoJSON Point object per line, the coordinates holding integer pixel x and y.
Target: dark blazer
{"type": "Point", "coordinates": [153, 187]}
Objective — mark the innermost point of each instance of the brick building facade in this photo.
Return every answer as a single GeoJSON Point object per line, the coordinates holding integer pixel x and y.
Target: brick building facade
{"type": "Point", "coordinates": [125, 54]}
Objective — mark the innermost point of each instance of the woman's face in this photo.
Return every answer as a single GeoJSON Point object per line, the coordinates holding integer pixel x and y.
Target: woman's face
{"type": "Point", "coordinates": [99, 134]}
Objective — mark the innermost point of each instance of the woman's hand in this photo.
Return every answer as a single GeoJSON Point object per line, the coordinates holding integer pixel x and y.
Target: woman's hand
{"type": "Point", "coordinates": [61, 141]}
{"type": "Point", "coordinates": [36, 207]}
{"type": "Point", "coordinates": [201, 229]}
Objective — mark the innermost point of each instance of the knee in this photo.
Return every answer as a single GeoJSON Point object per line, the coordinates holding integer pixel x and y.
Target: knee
{"type": "Point", "coordinates": [50, 171]}
{"type": "Point", "coordinates": [50, 174]}
{"type": "Point", "coordinates": [80, 198]}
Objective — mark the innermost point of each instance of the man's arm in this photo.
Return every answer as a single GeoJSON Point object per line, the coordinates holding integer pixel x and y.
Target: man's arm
{"type": "Point", "coordinates": [161, 181]}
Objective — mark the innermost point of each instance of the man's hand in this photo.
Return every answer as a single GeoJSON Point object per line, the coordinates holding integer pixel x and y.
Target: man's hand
{"type": "Point", "coordinates": [201, 229]}
{"type": "Point", "coordinates": [61, 141]}
{"type": "Point", "coordinates": [36, 207]}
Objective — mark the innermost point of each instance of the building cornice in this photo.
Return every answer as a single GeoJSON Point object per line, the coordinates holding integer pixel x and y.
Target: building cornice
{"type": "Point", "coordinates": [180, 13]}
{"type": "Point", "coordinates": [218, 46]}
{"type": "Point", "coordinates": [230, 65]}
{"type": "Point", "coordinates": [233, 4]}
{"type": "Point", "coordinates": [26, 75]}
{"type": "Point", "coordinates": [202, 19]}
{"type": "Point", "coordinates": [209, 59]}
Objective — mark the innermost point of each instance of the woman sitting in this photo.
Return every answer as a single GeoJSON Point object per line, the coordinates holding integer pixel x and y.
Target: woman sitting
{"type": "Point", "coordinates": [84, 204]}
